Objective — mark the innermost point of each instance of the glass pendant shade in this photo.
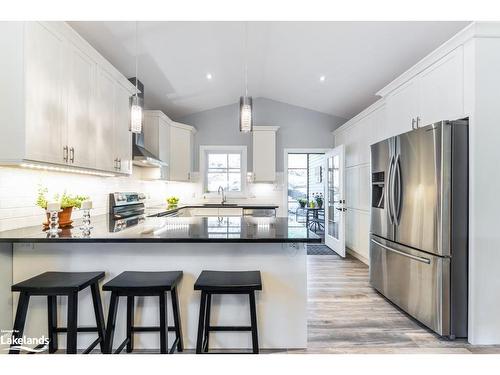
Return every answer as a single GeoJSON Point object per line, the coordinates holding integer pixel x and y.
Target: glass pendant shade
{"type": "Point", "coordinates": [135, 116]}
{"type": "Point", "coordinates": [246, 122]}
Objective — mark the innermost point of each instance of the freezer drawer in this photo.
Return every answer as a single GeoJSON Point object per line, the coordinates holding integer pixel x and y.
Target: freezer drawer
{"type": "Point", "coordinates": [417, 282]}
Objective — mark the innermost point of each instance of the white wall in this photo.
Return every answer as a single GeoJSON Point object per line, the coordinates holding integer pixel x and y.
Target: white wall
{"type": "Point", "coordinates": [299, 127]}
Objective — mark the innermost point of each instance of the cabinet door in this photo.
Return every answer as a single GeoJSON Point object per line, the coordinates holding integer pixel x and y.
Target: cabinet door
{"type": "Point", "coordinates": [164, 141]}
{"type": "Point", "coordinates": [180, 154]}
{"type": "Point", "coordinates": [402, 108]}
{"type": "Point", "coordinates": [104, 132]}
{"type": "Point", "coordinates": [81, 129]}
{"type": "Point", "coordinates": [441, 94]}
{"type": "Point", "coordinates": [123, 135]}
{"type": "Point", "coordinates": [44, 56]}
{"type": "Point", "coordinates": [264, 156]}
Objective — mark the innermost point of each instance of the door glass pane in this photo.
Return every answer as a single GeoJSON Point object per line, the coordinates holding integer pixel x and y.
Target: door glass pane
{"type": "Point", "coordinates": [333, 196]}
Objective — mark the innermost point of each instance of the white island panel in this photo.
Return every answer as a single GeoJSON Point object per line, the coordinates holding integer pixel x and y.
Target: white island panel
{"type": "Point", "coordinates": [281, 305]}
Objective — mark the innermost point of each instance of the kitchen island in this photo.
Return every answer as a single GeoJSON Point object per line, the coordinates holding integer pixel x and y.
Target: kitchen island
{"type": "Point", "coordinates": [190, 244]}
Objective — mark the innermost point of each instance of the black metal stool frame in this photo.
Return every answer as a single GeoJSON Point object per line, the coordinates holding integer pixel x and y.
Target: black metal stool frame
{"type": "Point", "coordinates": [72, 326]}
{"type": "Point", "coordinates": [131, 329]}
{"type": "Point", "coordinates": [204, 327]}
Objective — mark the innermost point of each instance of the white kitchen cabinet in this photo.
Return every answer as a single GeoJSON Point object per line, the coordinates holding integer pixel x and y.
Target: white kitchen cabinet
{"type": "Point", "coordinates": [80, 136]}
{"type": "Point", "coordinates": [157, 134]}
{"type": "Point", "coordinates": [64, 103]}
{"type": "Point", "coordinates": [104, 146]}
{"type": "Point", "coordinates": [44, 52]}
{"type": "Point", "coordinates": [435, 94]}
{"type": "Point", "coordinates": [441, 86]}
{"type": "Point", "coordinates": [402, 108]}
{"type": "Point", "coordinates": [264, 153]}
{"type": "Point", "coordinates": [181, 151]}
{"type": "Point", "coordinates": [122, 134]}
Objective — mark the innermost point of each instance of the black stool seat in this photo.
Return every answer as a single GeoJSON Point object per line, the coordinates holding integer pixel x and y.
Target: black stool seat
{"type": "Point", "coordinates": [52, 285]}
{"type": "Point", "coordinates": [58, 282]}
{"type": "Point", "coordinates": [144, 281]}
{"type": "Point", "coordinates": [226, 282]}
{"type": "Point", "coordinates": [131, 284]}
{"type": "Point", "coordinates": [229, 281]}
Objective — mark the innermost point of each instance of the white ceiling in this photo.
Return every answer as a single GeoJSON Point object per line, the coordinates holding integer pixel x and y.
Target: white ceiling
{"type": "Point", "coordinates": [285, 60]}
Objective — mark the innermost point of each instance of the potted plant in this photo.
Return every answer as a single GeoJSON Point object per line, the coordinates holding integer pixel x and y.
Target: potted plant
{"type": "Point", "coordinates": [172, 202]}
{"type": "Point", "coordinates": [302, 202]}
{"type": "Point", "coordinates": [319, 199]}
{"type": "Point", "coordinates": [68, 201]}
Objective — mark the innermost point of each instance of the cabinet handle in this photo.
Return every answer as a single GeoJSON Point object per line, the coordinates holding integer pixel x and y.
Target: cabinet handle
{"type": "Point", "coordinates": [120, 164]}
{"type": "Point", "coordinates": [65, 153]}
{"type": "Point", "coordinates": [418, 122]}
{"type": "Point", "coordinates": [413, 123]}
{"type": "Point", "coordinates": [116, 164]}
{"type": "Point", "coordinates": [72, 155]}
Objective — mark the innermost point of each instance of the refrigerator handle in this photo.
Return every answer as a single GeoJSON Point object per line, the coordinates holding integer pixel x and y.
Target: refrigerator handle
{"type": "Point", "coordinates": [390, 190]}
{"type": "Point", "coordinates": [397, 189]}
{"type": "Point", "coordinates": [414, 257]}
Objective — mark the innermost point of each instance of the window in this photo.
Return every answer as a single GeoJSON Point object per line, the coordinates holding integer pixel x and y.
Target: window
{"type": "Point", "coordinates": [223, 166]}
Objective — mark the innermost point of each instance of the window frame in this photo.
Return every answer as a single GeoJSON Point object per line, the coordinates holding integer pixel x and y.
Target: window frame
{"type": "Point", "coordinates": [205, 150]}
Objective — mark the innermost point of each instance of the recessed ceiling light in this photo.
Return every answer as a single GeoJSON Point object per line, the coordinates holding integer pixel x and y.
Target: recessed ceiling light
{"type": "Point", "coordinates": [209, 76]}
{"type": "Point", "coordinates": [322, 79]}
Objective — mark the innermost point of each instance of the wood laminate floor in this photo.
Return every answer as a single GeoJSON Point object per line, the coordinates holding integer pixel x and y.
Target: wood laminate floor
{"type": "Point", "coordinates": [347, 316]}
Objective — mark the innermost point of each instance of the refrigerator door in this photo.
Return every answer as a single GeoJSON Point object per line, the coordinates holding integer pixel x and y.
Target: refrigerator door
{"type": "Point", "coordinates": [417, 282]}
{"type": "Point", "coordinates": [422, 188]}
{"type": "Point", "coordinates": [382, 167]}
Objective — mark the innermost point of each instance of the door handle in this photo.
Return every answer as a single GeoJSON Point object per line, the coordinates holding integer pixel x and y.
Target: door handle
{"type": "Point", "coordinates": [414, 257]}
{"type": "Point", "coordinates": [72, 155]}
{"type": "Point", "coordinates": [389, 191]}
{"type": "Point", "coordinates": [65, 153]}
{"type": "Point", "coordinates": [397, 166]}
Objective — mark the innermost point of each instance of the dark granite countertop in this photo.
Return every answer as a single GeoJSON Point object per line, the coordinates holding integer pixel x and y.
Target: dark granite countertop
{"type": "Point", "coordinates": [175, 229]}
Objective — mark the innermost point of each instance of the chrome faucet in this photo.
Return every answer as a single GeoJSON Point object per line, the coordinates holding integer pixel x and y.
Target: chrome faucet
{"type": "Point", "coordinates": [220, 191]}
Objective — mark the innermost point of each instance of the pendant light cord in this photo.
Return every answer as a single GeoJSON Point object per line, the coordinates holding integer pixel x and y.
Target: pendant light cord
{"type": "Point", "coordinates": [246, 58]}
{"type": "Point", "coordinates": [136, 56]}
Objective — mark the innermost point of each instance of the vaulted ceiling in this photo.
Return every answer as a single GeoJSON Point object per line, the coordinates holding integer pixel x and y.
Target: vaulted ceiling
{"type": "Point", "coordinates": [286, 60]}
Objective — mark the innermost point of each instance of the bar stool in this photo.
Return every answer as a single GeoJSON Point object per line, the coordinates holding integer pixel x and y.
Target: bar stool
{"type": "Point", "coordinates": [53, 284]}
{"type": "Point", "coordinates": [222, 282]}
{"type": "Point", "coordinates": [131, 284]}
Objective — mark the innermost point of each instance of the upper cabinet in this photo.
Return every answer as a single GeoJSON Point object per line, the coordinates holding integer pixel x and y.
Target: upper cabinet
{"type": "Point", "coordinates": [157, 134]}
{"type": "Point", "coordinates": [181, 151]}
{"type": "Point", "coordinates": [264, 153]}
{"type": "Point", "coordinates": [436, 94]}
{"type": "Point", "coordinates": [66, 104]}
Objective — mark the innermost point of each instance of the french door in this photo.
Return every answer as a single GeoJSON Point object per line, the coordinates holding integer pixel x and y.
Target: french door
{"type": "Point", "coordinates": [335, 202]}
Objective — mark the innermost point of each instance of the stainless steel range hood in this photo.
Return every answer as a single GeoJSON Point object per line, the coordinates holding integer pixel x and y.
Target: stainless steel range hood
{"type": "Point", "coordinates": [140, 155]}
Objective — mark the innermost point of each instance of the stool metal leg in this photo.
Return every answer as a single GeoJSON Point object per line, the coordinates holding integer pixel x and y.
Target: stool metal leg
{"type": "Point", "coordinates": [177, 320]}
{"type": "Point", "coordinates": [207, 322]}
{"type": "Point", "coordinates": [253, 318]}
{"type": "Point", "coordinates": [163, 325]}
{"type": "Point", "coordinates": [201, 321]}
{"type": "Point", "coordinates": [110, 327]}
{"type": "Point", "coordinates": [130, 323]}
{"type": "Point", "coordinates": [52, 315]}
{"type": "Point", "coordinates": [22, 310]}
{"type": "Point", "coordinates": [71, 339]}
{"type": "Point", "coordinates": [99, 315]}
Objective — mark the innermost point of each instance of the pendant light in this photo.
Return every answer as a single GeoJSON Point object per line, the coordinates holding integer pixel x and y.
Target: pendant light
{"type": "Point", "coordinates": [246, 118]}
{"type": "Point", "coordinates": [135, 108]}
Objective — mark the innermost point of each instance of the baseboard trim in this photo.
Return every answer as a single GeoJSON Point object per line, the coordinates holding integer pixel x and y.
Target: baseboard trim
{"type": "Point", "coordinates": [358, 256]}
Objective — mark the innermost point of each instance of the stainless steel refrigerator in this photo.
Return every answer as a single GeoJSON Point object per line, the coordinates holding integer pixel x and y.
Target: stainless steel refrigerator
{"type": "Point", "coordinates": [419, 224]}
